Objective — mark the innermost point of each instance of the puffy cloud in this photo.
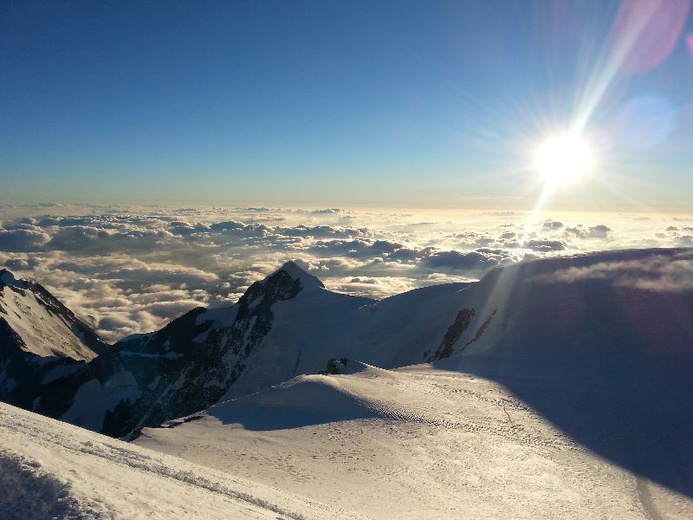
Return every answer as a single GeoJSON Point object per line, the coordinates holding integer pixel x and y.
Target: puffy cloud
{"type": "Point", "coordinates": [357, 248]}
{"type": "Point", "coordinates": [456, 261]}
{"type": "Point", "coordinates": [545, 245]}
{"type": "Point", "coordinates": [552, 224]}
{"type": "Point", "coordinates": [373, 287]}
{"type": "Point", "coordinates": [441, 278]}
{"type": "Point", "coordinates": [239, 228]}
{"type": "Point", "coordinates": [406, 254]}
{"type": "Point", "coordinates": [598, 231]}
{"type": "Point", "coordinates": [17, 264]}
{"type": "Point", "coordinates": [328, 211]}
{"type": "Point", "coordinates": [322, 231]}
{"type": "Point", "coordinates": [22, 239]}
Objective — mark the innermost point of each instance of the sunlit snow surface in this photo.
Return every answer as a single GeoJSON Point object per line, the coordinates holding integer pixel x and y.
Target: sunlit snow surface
{"type": "Point", "coordinates": [50, 469]}
{"type": "Point", "coordinates": [418, 442]}
{"type": "Point", "coordinates": [41, 328]}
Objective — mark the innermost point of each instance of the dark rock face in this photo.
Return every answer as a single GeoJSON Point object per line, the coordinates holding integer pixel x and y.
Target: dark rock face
{"type": "Point", "coordinates": [193, 361]}
{"type": "Point", "coordinates": [255, 315]}
{"type": "Point", "coordinates": [335, 366]}
{"type": "Point", "coordinates": [166, 367]}
{"type": "Point", "coordinates": [461, 324]}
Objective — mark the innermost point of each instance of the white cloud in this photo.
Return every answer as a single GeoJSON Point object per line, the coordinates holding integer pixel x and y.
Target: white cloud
{"type": "Point", "coordinates": [373, 287]}
{"type": "Point", "coordinates": [545, 245]}
{"type": "Point", "coordinates": [457, 261]}
{"type": "Point", "coordinates": [22, 239]}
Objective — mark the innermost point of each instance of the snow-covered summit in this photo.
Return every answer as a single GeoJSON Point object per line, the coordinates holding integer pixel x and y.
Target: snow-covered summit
{"type": "Point", "coordinates": [307, 280]}
{"type": "Point", "coordinates": [283, 284]}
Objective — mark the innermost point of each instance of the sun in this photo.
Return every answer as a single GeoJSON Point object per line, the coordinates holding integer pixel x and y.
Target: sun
{"type": "Point", "coordinates": [562, 159]}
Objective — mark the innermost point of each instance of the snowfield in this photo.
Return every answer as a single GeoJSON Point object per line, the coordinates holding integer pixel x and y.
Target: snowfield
{"type": "Point", "coordinates": [418, 442]}
{"type": "Point", "coordinates": [50, 469]}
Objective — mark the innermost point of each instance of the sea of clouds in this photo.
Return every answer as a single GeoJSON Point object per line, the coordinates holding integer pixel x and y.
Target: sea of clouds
{"type": "Point", "coordinates": [131, 270]}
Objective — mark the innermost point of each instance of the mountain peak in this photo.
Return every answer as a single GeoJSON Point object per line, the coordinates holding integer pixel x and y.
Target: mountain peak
{"type": "Point", "coordinates": [283, 284]}
{"type": "Point", "coordinates": [7, 278]}
{"type": "Point", "coordinates": [296, 272]}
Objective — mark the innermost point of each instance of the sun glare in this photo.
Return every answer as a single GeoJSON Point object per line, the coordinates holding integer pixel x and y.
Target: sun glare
{"type": "Point", "coordinates": [562, 159]}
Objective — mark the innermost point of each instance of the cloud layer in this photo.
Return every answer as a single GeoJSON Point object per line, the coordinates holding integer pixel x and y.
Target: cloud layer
{"type": "Point", "coordinates": [131, 270]}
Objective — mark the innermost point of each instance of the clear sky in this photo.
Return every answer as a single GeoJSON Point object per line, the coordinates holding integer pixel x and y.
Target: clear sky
{"type": "Point", "coordinates": [410, 103]}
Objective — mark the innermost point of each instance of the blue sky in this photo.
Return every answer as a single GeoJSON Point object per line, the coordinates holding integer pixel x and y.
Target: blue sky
{"type": "Point", "coordinates": [342, 102]}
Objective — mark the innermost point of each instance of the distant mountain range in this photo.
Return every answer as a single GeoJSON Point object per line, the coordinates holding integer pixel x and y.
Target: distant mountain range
{"type": "Point", "coordinates": [557, 316]}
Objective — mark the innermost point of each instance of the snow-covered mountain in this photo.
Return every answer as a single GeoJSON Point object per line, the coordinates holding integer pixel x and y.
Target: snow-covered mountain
{"type": "Point", "coordinates": [586, 309]}
{"type": "Point", "coordinates": [284, 325]}
{"type": "Point", "coordinates": [551, 388]}
{"type": "Point", "coordinates": [288, 324]}
{"type": "Point", "coordinates": [141, 380]}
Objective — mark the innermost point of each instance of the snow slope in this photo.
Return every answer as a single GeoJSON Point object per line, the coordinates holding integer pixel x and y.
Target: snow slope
{"type": "Point", "coordinates": [50, 469]}
{"type": "Point", "coordinates": [44, 326]}
{"type": "Point", "coordinates": [413, 443]}
{"type": "Point", "coordinates": [603, 348]}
